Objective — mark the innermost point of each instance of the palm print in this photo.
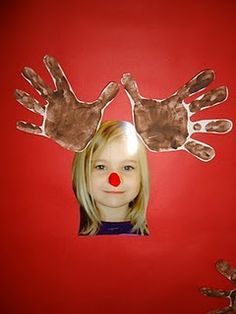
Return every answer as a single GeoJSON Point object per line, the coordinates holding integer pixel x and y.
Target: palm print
{"type": "Point", "coordinates": [66, 120]}
{"type": "Point", "coordinates": [229, 272]}
{"type": "Point", "coordinates": [165, 125]}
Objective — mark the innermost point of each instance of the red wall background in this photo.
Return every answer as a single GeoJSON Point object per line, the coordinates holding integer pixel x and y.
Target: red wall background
{"type": "Point", "coordinates": [46, 267]}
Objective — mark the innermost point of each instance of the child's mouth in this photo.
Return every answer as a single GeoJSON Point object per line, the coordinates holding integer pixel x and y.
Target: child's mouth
{"type": "Point", "coordinates": [114, 192]}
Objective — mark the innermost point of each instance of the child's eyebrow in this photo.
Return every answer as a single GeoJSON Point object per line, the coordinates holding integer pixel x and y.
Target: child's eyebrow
{"type": "Point", "coordinates": [100, 160]}
{"type": "Point", "coordinates": [106, 160]}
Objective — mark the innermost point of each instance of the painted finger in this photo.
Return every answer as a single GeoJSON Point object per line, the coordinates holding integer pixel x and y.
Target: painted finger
{"type": "Point", "coordinates": [57, 73]}
{"type": "Point", "coordinates": [226, 270]}
{"type": "Point", "coordinates": [37, 82]}
{"type": "Point", "coordinates": [131, 87]}
{"type": "Point", "coordinates": [217, 126]}
{"type": "Point", "coordinates": [197, 83]}
{"type": "Point", "coordinates": [233, 299]}
{"type": "Point", "coordinates": [200, 150]}
{"type": "Point", "coordinates": [209, 99]}
{"type": "Point", "coordinates": [29, 102]}
{"type": "Point", "coordinates": [219, 293]}
{"type": "Point", "coordinates": [106, 96]}
{"type": "Point", "coordinates": [225, 310]}
{"type": "Point", "coordinates": [29, 127]}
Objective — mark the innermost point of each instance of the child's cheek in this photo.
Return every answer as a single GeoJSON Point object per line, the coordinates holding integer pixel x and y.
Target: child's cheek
{"type": "Point", "coordinates": [131, 178]}
{"type": "Point", "coordinates": [99, 177]}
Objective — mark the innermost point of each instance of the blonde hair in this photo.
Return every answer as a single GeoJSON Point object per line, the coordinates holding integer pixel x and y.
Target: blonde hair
{"type": "Point", "coordinates": [90, 220]}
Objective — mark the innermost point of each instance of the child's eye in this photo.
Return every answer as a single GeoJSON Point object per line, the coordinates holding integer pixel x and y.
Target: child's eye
{"type": "Point", "coordinates": [100, 167]}
{"type": "Point", "coordinates": [128, 168]}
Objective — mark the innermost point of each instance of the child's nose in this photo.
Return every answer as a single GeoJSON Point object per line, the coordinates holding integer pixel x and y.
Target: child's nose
{"type": "Point", "coordinates": [114, 179]}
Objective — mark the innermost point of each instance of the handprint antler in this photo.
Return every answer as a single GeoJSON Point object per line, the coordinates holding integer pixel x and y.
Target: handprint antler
{"type": "Point", "coordinates": [165, 125]}
{"type": "Point", "coordinates": [230, 273]}
{"type": "Point", "coordinates": [66, 120]}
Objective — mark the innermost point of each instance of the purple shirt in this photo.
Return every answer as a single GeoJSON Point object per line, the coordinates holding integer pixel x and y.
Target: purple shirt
{"type": "Point", "coordinates": [123, 227]}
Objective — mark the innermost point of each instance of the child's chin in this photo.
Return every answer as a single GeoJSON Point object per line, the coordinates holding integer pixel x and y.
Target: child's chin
{"type": "Point", "coordinates": [117, 202]}
{"type": "Point", "coordinates": [116, 205]}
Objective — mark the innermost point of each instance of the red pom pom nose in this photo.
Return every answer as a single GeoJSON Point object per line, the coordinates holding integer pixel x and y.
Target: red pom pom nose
{"type": "Point", "coordinates": [114, 179]}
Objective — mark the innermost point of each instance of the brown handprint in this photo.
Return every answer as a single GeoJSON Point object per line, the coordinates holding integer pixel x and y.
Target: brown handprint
{"type": "Point", "coordinates": [230, 273]}
{"type": "Point", "coordinates": [165, 125]}
{"type": "Point", "coordinates": [66, 120]}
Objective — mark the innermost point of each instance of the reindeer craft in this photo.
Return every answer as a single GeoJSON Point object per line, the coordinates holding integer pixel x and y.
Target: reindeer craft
{"type": "Point", "coordinates": [163, 125]}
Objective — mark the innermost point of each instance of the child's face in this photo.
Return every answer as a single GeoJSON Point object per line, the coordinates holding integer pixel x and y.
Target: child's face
{"type": "Point", "coordinates": [116, 157]}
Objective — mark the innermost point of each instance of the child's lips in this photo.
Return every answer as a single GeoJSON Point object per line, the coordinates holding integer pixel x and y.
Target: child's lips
{"type": "Point", "coordinates": [114, 192]}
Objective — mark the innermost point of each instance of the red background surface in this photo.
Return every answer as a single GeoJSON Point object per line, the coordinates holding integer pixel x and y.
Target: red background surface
{"type": "Point", "coordinates": [46, 267]}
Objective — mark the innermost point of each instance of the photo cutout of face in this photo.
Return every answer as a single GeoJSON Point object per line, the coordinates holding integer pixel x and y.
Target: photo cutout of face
{"type": "Point", "coordinates": [111, 182]}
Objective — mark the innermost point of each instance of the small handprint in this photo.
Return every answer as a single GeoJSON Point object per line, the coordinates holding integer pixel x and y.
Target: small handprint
{"type": "Point", "coordinates": [230, 273]}
{"type": "Point", "coordinates": [66, 120]}
{"type": "Point", "coordinates": [165, 125]}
